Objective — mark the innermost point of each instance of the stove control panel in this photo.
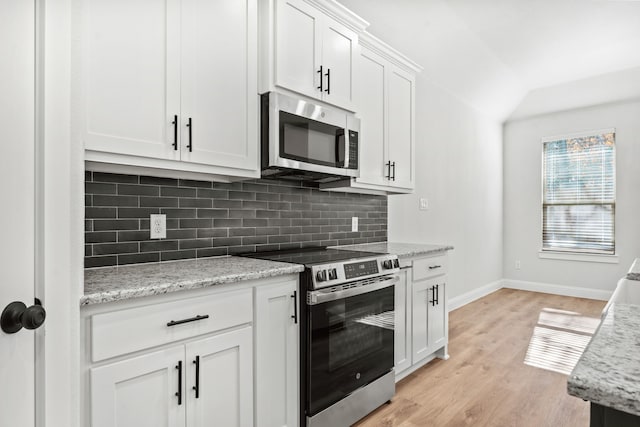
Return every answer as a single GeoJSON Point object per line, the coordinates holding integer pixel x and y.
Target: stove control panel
{"type": "Point", "coordinates": [359, 269]}
{"type": "Point", "coordinates": [334, 274]}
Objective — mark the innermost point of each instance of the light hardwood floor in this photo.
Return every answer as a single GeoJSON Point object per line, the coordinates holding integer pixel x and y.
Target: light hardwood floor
{"type": "Point", "coordinates": [486, 381]}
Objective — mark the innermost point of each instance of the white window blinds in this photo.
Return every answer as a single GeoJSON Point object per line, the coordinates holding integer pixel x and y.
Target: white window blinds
{"type": "Point", "coordinates": [579, 193]}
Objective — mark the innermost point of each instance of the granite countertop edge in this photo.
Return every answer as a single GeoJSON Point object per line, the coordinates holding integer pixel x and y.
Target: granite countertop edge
{"type": "Point", "coordinates": [402, 250]}
{"type": "Point", "coordinates": [607, 370]}
{"type": "Point", "coordinates": [117, 290]}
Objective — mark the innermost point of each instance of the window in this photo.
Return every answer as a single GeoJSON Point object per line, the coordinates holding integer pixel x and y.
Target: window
{"type": "Point", "coordinates": [579, 193]}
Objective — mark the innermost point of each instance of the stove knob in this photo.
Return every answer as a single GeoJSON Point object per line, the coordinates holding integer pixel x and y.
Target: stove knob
{"type": "Point", "coordinates": [387, 264]}
{"type": "Point", "coordinates": [333, 274]}
{"type": "Point", "coordinates": [321, 275]}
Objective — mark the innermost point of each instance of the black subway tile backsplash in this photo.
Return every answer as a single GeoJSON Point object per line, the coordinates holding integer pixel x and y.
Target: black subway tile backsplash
{"type": "Point", "coordinates": [207, 218]}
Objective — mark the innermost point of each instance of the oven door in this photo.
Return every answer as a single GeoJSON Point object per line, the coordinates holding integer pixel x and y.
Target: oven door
{"type": "Point", "coordinates": [350, 342]}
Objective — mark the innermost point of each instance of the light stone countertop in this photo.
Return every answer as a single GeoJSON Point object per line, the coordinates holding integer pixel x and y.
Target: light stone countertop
{"type": "Point", "coordinates": [107, 284]}
{"type": "Point", "coordinates": [634, 271]}
{"type": "Point", "coordinates": [608, 373]}
{"type": "Point", "coordinates": [403, 250]}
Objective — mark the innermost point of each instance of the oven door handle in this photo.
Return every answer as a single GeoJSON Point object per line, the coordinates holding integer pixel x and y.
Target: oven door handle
{"type": "Point", "coordinates": [325, 295]}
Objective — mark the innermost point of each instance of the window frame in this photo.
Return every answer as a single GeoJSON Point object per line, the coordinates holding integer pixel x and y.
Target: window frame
{"type": "Point", "coordinates": [576, 254]}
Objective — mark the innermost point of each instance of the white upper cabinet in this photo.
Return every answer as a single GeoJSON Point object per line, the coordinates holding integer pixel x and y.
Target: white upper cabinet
{"type": "Point", "coordinates": [400, 139]}
{"type": "Point", "coordinates": [171, 85]}
{"type": "Point", "coordinates": [385, 103]}
{"type": "Point", "coordinates": [311, 47]}
{"type": "Point", "coordinates": [131, 72]}
{"type": "Point", "coordinates": [219, 83]}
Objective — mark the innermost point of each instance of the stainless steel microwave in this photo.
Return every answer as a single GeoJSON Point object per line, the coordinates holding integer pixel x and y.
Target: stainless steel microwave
{"type": "Point", "coordinates": [306, 141]}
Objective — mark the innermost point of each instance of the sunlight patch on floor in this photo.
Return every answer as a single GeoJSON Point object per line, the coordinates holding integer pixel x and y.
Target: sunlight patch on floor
{"type": "Point", "coordinates": [559, 339]}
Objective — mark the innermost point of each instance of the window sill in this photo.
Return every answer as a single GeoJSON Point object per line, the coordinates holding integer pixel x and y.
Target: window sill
{"type": "Point", "coordinates": [572, 256]}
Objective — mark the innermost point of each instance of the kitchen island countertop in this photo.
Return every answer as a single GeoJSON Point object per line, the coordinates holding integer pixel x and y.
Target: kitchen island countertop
{"type": "Point", "coordinates": [608, 373]}
{"type": "Point", "coordinates": [403, 250]}
{"type": "Point", "coordinates": [107, 284]}
{"type": "Point", "coordinates": [634, 271]}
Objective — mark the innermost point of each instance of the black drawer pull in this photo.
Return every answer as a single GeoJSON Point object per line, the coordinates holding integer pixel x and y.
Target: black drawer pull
{"type": "Point", "coordinates": [433, 267]}
{"type": "Point", "coordinates": [191, 319]}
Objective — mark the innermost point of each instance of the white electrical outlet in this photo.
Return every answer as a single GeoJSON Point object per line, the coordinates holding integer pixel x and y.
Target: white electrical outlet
{"type": "Point", "coordinates": [424, 204]}
{"type": "Point", "coordinates": [518, 265]}
{"type": "Point", "coordinates": [354, 223]}
{"type": "Point", "coordinates": [158, 226]}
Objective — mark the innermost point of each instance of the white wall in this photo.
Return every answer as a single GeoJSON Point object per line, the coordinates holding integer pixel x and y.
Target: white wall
{"type": "Point", "coordinates": [458, 148]}
{"type": "Point", "coordinates": [459, 169]}
{"type": "Point", "coordinates": [522, 195]}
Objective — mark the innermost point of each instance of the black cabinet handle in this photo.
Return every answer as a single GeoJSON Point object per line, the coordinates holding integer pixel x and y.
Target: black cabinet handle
{"type": "Point", "coordinates": [190, 126]}
{"type": "Point", "coordinates": [437, 294]}
{"type": "Point", "coordinates": [388, 165]}
{"type": "Point", "coordinates": [393, 178]}
{"type": "Point", "coordinates": [433, 267]}
{"type": "Point", "coordinates": [295, 306]}
{"type": "Point", "coordinates": [191, 319]}
{"type": "Point", "coordinates": [175, 132]}
{"type": "Point", "coordinates": [179, 392]}
{"type": "Point", "coordinates": [197, 386]}
{"type": "Point", "coordinates": [328, 81]}
{"type": "Point", "coordinates": [321, 78]}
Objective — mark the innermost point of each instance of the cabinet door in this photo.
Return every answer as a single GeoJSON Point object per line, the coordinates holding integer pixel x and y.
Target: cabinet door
{"type": "Point", "coordinates": [277, 361]}
{"type": "Point", "coordinates": [131, 76]}
{"type": "Point", "coordinates": [339, 56]}
{"type": "Point", "coordinates": [421, 295]}
{"type": "Point", "coordinates": [400, 142]}
{"type": "Point", "coordinates": [371, 90]}
{"type": "Point", "coordinates": [298, 47]}
{"type": "Point", "coordinates": [219, 83]}
{"type": "Point", "coordinates": [224, 380]}
{"type": "Point", "coordinates": [437, 317]}
{"type": "Point", "coordinates": [140, 391]}
{"type": "Point", "coordinates": [402, 325]}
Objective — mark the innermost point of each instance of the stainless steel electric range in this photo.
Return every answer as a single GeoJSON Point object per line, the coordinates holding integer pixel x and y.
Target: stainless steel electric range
{"type": "Point", "coordinates": [346, 332]}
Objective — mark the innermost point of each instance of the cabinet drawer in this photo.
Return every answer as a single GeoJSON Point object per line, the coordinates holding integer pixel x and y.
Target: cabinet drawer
{"type": "Point", "coordinates": [423, 268]}
{"type": "Point", "coordinates": [124, 331]}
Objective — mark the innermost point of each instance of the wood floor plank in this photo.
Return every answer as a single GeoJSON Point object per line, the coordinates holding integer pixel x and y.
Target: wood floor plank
{"type": "Point", "coordinates": [486, 382]}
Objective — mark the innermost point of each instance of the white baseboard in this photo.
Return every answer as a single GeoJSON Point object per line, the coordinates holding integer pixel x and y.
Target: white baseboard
{"type": "Point", "coordinates": [473, 295]}
{"type": "Point", "coordinates": [548, 288]}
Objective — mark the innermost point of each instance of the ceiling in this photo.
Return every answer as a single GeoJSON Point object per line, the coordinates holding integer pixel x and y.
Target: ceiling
{"type": "Point", "coordinates": [492, 53]}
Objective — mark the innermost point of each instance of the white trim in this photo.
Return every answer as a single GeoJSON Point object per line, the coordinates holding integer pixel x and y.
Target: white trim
{"type": "Point", "coordinates": [474, 294]}
{"type": "Point", "coordinates": [549, 288]}
{"type": "Point", "coordinates": [62, 203]}
{"type": "Point", "coordinates": [577, 135]}
{"type": "Point", "coordinates": [572, 256]}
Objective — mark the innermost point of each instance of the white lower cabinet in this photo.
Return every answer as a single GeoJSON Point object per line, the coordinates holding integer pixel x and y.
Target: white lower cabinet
{"type": "Point", "coordinates": [140, 391]}
{"type": "Point", "coordinates": [421, 315]}
{"type": "Point", "coordinates": [428, 318]}
{"type": "Point", "coordinates": [277, 360]}
{"type": "Point", "coordinates": [219, 387]}
{"type": "Point", "coordinates": [209, 380]}
{"type": "Point", "coordinates": [198, 365]}
{"type": "Point", "coordinates": [402, 336]}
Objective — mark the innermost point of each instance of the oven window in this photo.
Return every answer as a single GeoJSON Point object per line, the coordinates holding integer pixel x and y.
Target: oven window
{"type": "Point", "coordinates": [350, 345]}
{"type": "Point", "coordinates": [310, 141]}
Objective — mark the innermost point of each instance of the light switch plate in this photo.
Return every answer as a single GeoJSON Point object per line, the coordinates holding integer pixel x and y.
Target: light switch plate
{"type": "Point", "coordinates": [158, 226]}
{"type": "Point", "coordinates": [354, 223]}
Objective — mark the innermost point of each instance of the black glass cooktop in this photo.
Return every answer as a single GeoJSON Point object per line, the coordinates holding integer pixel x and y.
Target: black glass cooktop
{"type": "Point", "coordinates": [309, 256]}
